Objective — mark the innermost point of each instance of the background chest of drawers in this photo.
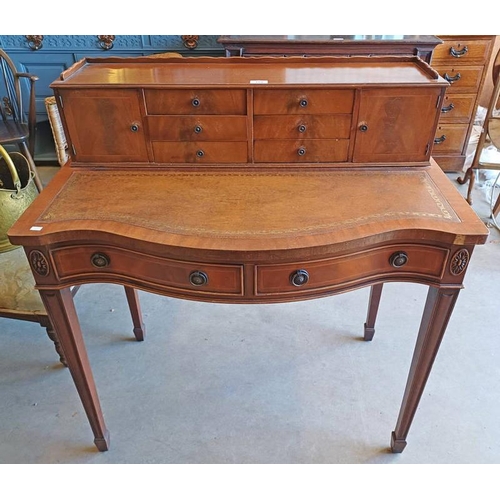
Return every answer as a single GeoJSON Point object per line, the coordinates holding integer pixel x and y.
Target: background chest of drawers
{"type": "Point", "coordinates": [462, 60]}
{"type": "Point", "coordinates": [241, 111]}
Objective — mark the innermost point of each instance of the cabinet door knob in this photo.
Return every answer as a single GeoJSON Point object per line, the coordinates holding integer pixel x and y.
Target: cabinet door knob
{"type": "Point", "coordinates": [302, 128]}
{"type": "Point", "coordinates": [363, 127]}
{"type": "Point", "coordinates": [398, 259]}
{"type": "Point", "coordinates": [100, 260]}
{"type": "Point", "coordinates": [195, 102]}
{"type": "Point", "coordinates": [198, 278]}
{"type": "Point", "coordinates": [303, 103]}
{"type": "Point", "coordinates": [134, 127]}
{"type": "Point", "coordinates": [299, 277]}
{"type": "Point", "coordinates": [459, 53]}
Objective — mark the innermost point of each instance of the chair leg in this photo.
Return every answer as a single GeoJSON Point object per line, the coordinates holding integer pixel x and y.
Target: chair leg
{"type": "Point", "coordinates": [135, 311]}
{"type": "Point", "coordinates": [470, 175]}
{"type": "Point", "coordinates": [26, 152]}
{"type": "Point", "coordinates": [53, 336]}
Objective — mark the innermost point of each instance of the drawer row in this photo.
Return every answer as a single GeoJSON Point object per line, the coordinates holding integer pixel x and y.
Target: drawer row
{"type": "Point", "coordinates": [216, 280]}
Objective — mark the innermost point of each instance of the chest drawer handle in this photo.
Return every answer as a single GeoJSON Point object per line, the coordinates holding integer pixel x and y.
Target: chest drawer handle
{"type": "Point", "coordinates": [302, 128]}
{"type": "Point", "coordinates": [452, 79]}
{"type": "Point", "coordinates": [198, 278]}
{"type": "Point", "coordinates": [459, 53]}
{"type": "Point", "coordinates": [195, 102]}
{"type": "Point", "coordinates": [398, 259]}
{"type": "Point", "coordinates": [301, 151]}
{"type": "Point", "coordinates": [200, 153]}
{"type": "Point", "coordinates": [440, 140]}
{"type": "Point", "coordinates": [303, 103]}
{"type": "Point", "coordinates": [100, 260]}
{"type": "Point", "coordinates": [198, 129]}
{"type": "Point", "coordinates": [134, 127]}
{"type": "Point", "coordinates": [447, 109]}
{"type": "Point", "coordinates": [299, 277]}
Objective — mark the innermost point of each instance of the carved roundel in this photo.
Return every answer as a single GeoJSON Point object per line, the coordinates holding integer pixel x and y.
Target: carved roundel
{"type": "Point", "coordinates": [459, 262]}
{"type": "Point", "coordinates": [39, 263]}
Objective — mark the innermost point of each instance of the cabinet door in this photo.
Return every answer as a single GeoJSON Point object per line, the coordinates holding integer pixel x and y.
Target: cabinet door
{"type": "Point", "coordinates": [104, 125]}
{"type": "Point", "coordinates": [396, 125]}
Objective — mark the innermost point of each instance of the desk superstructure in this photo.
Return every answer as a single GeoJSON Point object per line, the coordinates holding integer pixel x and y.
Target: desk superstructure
{"type": "Point", "coordinates": [250, 181]}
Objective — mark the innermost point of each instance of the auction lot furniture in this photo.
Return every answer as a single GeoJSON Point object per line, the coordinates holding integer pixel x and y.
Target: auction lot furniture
{"type": "Point", "coordinates": [250, 181]}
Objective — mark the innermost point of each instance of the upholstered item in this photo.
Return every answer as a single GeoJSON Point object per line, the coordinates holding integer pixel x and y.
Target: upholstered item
{"type": "Point", "coordinates": [18, 297]}
{"type": "Point", "coordinates": [17, 286]}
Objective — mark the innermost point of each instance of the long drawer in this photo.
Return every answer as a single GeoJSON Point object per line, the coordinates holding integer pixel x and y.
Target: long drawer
{"type": "Point", "coordinates": [457, 108]}
{"type": "Point", "coordinates": [450, 138]}
{"type": "Point", "coordinates": [304, 277]}
{"type": "Point", "coordinates": [200, 152]}
{"type": "Point", "coordinates": [466, 51]}
{"type": "Point", "coordinates": [302, 126]}
{"type": "Point", "coordinates": [195, 101]}
{"type": "Point", "coordinates": [197, 128]}
{"type": "Point", "coordinates": [303, 101]}
{"type": "Point", "coordinates": [335, 150]}
{"type": "Point", "coordinates": [461, 78]}
{"type": "Point", "coordinates": [85, 261]}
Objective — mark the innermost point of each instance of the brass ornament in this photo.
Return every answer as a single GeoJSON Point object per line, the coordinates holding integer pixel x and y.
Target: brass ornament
{"type": "Point", "coordinates": [35, 42]}
{"type": "Point", "coordinates": [106, 42]}
{"type": "Point", "coordinates": [190, 41]}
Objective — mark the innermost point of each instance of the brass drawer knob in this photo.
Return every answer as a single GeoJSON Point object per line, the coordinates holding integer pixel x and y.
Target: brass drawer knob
{"type": "Point", "coordinates": [302, 128]}
{"type": "Point", "coordinates": [299, 277]}
{"type": "Point", "coordinates": [398, 259]}
{"type": "Point", "coordinates": [303, 103]}
{"type": "Point", "coordinates": [100, 260]}
{"type": "Point", "coordinates": [200, 153]}
{"type": "Point", "coordinates": [198, 278]}
{"type": "Point", "coordinates": [198, 129]}
{"type": "Point", "coordinates": [134, 127]}
{"type": "Point", "coordinates": [363, 127]}
{"type": "Point", "coordinates": [301, 151]}
{"type": "Point", "coordinates": [195, 102]}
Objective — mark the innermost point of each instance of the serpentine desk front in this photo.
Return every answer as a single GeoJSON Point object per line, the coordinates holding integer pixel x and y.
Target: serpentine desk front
{"type": "Point", "coordinates": [250, 181]}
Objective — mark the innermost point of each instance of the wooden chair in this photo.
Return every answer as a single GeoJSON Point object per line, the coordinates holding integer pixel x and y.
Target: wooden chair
{"type": "Point", "coordinates": [16, 127]}
{"type": "Point", "coordinates": [490, 136]}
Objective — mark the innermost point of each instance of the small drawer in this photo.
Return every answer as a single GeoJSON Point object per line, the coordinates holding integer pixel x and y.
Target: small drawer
{"type": "Point", "coordinates": [457, 108]}
{"type": "Point", "coordinates": [93, 260]}
{"type": "Point", "coordinates": [308, 277]}
{"type": "Point", "coordinates": [200, 152]}
{"type": "Point", "coordinates": [302, 126]}
{"type": "Point", "coordinates": [461, 78]}
{"type": "Point", "coordinates": [196, 102]}
{"type": "Point", "coordinates": [450, 138]}
{"type": "Point", "coordinates": [461, 51]}
{"type": "Point", "coordinates": [303, 101]}
{"type": "Point", "coordinates": [197, 128]}
{"type": "Point", "coordinates": [308, 151]}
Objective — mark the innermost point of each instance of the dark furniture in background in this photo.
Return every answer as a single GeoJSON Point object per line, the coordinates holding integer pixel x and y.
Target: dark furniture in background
{"type": "Point", "coordinates": [307, 45]}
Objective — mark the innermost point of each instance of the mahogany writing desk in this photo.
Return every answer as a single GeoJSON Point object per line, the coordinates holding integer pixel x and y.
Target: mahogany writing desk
{"type": "Point", "coordinates": [245, 229]}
